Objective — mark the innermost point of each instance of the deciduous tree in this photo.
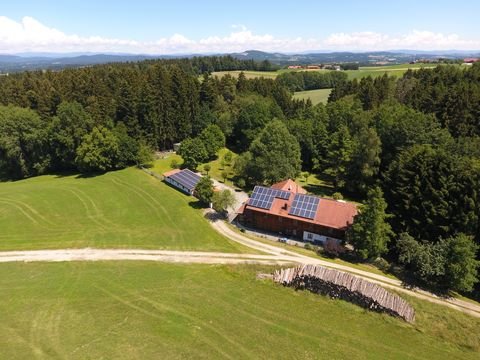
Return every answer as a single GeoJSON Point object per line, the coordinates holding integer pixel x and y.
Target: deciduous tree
{"type": "Point", "coordinates": [213, 140]}
{"type": "Point", "coordinates": [275, 155]}
{"type": "Point", "coordinates": [23, 143]}
{"type": "Point", "coordinates": [193, 152]}
{"type": "Point", "coordinates": [222, 200]}
{"type": "Point", "coordinates": [98, 151]}
{"type": "Point", "coordinates": [204, 190]}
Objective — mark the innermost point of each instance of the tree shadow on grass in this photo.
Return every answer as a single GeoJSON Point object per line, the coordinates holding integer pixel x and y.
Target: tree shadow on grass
{"type": "Point", "coordinates": [58, 175]}
{"type": "Point", "coordinates": [78, 175]}
{"type": "Point", "coordinates": [196, 204]}
{"type": "Point", "coordinates": [6, 179]}
{"type": "Point", "coordinates": [320, 190]}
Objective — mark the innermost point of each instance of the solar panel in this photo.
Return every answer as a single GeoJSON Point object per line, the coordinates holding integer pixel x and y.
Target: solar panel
{"type": "Point", "coordinates": [304, 206]}
{"type": "Point", "coordinates": [282, 194]}
{"type": "Point", "coordinates": [187, 178]}
{"type": "Point", "coordinates": [263, 197]}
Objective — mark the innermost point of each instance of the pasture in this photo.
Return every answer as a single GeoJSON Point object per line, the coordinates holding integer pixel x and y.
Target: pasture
{"type": "Point", "coordinates": [120, 209]}
{"type": "Point", "coordinates": [316, 96]}
{"type": "Point", "coordinates": [133, 310]}
{"type": "Point", "coordinates": [249, 74]}
{"type": "Point", "coordinates": [373, 71]}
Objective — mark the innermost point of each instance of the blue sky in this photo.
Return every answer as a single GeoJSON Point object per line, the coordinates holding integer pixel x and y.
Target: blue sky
{"type": "Point", "coordinates": [202, 26]}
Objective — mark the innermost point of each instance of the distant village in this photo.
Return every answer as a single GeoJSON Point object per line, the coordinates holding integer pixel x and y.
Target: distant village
{"type": "Point", "coordinates": [316, 67]}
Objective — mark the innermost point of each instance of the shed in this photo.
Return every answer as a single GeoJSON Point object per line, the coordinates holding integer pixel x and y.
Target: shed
{"type": "Point", "coordinates": [184, 180]}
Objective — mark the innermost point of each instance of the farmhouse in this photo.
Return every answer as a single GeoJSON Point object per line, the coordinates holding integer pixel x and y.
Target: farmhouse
{"type": "Point", "coordinates": [184, 180]}
{"type": "Point", "coordinates": [286, 208]}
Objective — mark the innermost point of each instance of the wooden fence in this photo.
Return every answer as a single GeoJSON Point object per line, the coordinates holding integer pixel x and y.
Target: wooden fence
{"type": "Point", "coordinates": [337, 284]}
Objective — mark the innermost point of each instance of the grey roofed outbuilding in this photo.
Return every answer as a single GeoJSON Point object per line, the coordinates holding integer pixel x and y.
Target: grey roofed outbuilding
{"type": "Point", "coordinates": [184, 179]}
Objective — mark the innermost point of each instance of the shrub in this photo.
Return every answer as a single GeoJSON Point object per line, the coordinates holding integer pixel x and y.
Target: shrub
{"type": "Point", "coordinates": [241, 183]}
{"type": "Point", "coordinates": [174, 164]}
{"type": "Point", "coordinates": [382, 264]}
{"type": "Point", "coordinates": [337, 196]}
{"type": "Point", "coordinates": [333, 248]}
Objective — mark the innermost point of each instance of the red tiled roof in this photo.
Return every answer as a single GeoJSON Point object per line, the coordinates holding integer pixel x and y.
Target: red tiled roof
{"type": "Point", "coordinates": [289, 185]}
{"type": "Point", "coordinates": [171, 172]}
{"type": "Point", "coordinates": [330, 213]}
{"type": "Point", "coordinates": [335, 214]}
{"type": "Point", "coordinates": [241, 209]}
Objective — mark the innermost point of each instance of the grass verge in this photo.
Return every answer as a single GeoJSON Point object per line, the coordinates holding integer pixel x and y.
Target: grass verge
{"type": "Point", "coordinates": [126, 310]}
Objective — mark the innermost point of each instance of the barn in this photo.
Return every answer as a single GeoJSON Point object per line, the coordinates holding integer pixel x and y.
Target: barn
{"type": "Point", "coordinates": [184, 180]}
{"type": "Point", "coordinates": [287, 209]}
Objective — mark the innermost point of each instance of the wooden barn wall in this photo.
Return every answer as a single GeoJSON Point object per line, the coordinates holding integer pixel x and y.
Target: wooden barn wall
{"type": "Point", "coordinates": [286, 226]}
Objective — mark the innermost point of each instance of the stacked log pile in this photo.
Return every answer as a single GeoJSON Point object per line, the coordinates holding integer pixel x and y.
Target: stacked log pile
{"type": "Point", "coordinates": [345, 286]}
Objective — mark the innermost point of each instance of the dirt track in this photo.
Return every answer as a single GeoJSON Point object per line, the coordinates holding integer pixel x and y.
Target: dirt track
{"type": "Point", "coordinates": [90, 254]}
{"type": "Point", "coordinates": [273, 256]}
{"type": "Point", "coordinates": [457, 304]}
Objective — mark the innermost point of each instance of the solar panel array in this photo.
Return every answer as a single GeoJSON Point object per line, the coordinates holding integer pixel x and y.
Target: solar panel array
{"type": "Point", "coordinates": [304, 206]}
{"type": "Point", "coordinates": [187, 178]}
{"type": "Point", "coordinates": [263, 197]}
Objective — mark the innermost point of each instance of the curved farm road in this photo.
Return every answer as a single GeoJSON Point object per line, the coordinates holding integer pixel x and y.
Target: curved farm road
{"type": "Point", "coordinates": [461, 305]}
{"type": "Point", "coordinates": [273, 255]}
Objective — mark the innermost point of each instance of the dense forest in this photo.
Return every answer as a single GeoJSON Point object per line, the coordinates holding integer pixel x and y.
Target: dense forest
{"type": "Point", "coordinates": [311, 80]}
{"type": "Point", "coordinates": [408, 148]}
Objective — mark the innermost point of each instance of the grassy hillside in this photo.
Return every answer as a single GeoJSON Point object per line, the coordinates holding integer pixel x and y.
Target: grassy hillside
{"type": "Point", "coordinates": [126, 208]}
{"type": "Point", "coordinates": [316, 96]}
{"type": "Point", "coordinates": [132, 310]}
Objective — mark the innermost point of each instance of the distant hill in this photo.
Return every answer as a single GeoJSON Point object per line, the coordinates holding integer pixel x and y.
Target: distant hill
{"type": "Point", "coordinates": [15, 63]}
{"type": "Point", "coordinates": [55, 61]}
{"type": "Point", "coordinates": [364, 58]}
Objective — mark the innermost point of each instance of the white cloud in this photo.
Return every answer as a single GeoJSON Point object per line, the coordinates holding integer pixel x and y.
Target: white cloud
{"type": "Point", "coordinates": [415, 40]}
{"type": "Point", "coordinates": [31, 35]}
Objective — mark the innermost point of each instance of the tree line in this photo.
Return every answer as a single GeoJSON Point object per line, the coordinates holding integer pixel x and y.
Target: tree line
{"type": "Point", "coordinates": [451, 93]}
{"type": "Point", "coordinates": [425, 155]}
{"type": "Point", "coordinates": [136, 106]}
{"type": "Point", "coordinates": [311, 80]}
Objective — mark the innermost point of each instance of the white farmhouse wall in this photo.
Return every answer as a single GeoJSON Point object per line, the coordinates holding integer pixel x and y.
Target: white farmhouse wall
{"type": "Point", "coordinates": [312, 237]}
{"type": "Point", "coordinates": [177, 185]}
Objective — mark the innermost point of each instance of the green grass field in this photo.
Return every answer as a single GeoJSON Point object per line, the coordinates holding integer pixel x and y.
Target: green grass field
{"type": "Point", "coordinates": [216, 168]}
{"type": "Point", "coordinates": [163, 165]}
{"type": "Point", "coordinates": [133, 310]}
{"type": "Point", "coordinates": [126, 208]}
{"type": "Point", "coordinates": [316, 96]}
{"type": "Point", "coordinates": [374, 71]}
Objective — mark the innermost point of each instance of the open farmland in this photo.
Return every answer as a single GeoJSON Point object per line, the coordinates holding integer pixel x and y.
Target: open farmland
{"type": "Point", "coordinates": [249, 74]}
{"type": "Point", "coordinates": [125, 208]}
{"type": "Point", "coordinates": [374, 71]}
{"type": "Point", "coordinates": [316, 96]}
{"type": "Point", "coordinates": [126, 310]}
